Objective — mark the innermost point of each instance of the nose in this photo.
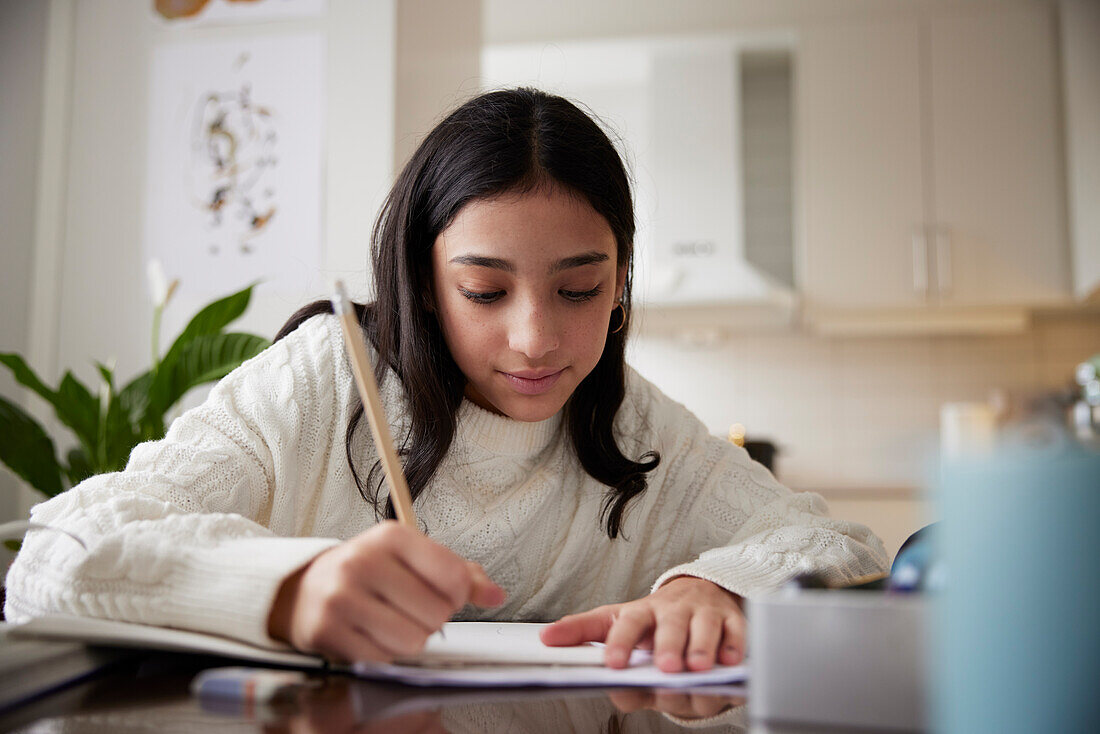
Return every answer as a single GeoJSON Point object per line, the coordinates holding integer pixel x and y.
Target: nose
{"type": "Point", "coordinates": [533, 332]}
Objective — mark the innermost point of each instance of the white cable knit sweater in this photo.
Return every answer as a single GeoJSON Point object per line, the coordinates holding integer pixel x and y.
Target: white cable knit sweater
{"type": "Point", "coordinates": [201, 528]}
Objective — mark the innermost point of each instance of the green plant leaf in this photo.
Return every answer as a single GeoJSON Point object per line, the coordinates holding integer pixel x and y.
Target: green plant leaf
{"type": "Point", "coordinates": [27, 450]}
{"type": "Point", "coordinates": [26, 377]}
{"type": "Point", "coordinates": [72, 403]}
{"type": "Point", "coordinates": [108, 432]}
{"type": "Point", "coordinates": [120, 435]}
{"type": "Point", "coordinates": [133, 398]}
{"type": "Point", "coordinates": [79, 410]}
{"type": "Point", "coordinates": [107, 374]}
{"type": "Point", "coordinates": [205, 359]}
{"type": "Point", "coordinates": [210, 320]}
{"type": "Point", "coordinates": [112, 430]}
{"type": "Point", "coordinates": [79, 467]}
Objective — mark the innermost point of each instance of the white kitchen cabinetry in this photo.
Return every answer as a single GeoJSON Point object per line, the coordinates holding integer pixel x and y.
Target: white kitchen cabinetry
{"type": "Point", "coordinates": [859, 143]}
{"type": "Point", "coordinates": [1080, 27]}
{"type": "Point", "coordinates": [930, 162]}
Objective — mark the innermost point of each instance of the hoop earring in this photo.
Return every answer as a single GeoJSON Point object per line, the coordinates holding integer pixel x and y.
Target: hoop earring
{"type": "Point", "coordinates": [622, 323]}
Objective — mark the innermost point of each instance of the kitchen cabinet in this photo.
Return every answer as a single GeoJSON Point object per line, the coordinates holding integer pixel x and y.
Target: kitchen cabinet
{"type": "Point", "coordinates": [859, 147]}
{"type": "Point", "coordinates": [1080, 32]}
{"type": "Point", "coordinates": [930, 163]}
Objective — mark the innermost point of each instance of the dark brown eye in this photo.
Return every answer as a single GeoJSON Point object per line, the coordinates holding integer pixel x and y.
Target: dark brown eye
{"type": "Point", "coordinates": [481, 297]}
{"type": "Point", "coordinates": [581, 296]}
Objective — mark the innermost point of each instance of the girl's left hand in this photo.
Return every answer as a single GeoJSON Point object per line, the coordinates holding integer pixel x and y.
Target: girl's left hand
{"type": "Point", "coordinates": [689, 623]}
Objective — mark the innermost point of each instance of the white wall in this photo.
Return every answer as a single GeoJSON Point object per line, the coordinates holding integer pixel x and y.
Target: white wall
{"type": "Point", "coordinates": [22, 40]}
{"type": "Point", "coordinates": [22, 43]}
{"type": "Point", "coordinates": [438, 65]}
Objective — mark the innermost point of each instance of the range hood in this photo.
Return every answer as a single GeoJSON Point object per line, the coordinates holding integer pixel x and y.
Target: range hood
{"type": "Point", "coordinates": [696, 235]}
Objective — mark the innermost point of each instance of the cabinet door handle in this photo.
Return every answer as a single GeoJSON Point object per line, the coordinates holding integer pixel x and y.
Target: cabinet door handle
{"type": "Point", "coordinates": [920, 261]}
{"type": "Point", "coordinates": [943, 260]}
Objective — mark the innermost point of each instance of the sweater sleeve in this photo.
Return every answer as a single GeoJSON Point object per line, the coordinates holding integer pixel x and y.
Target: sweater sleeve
{"type": "Point", "coordinates": [197, 531]}
{"type": "Point", "coordinates": [739, 527]}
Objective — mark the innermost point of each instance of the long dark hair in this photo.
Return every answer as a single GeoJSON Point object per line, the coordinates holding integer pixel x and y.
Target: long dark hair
{"type": "Point", "coordinates": [511, 141]}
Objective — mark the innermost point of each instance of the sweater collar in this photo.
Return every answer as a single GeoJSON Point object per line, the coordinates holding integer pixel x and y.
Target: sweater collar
{"type": "Point", "coordinates": [503, 435]}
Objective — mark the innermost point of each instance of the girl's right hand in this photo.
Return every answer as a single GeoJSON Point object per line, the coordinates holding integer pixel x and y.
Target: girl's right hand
{"type": "Point", "coordinates": [377, 596]}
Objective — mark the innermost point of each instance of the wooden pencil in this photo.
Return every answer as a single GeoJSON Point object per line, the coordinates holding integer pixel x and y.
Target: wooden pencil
{"type": "Point", "coordinates": [372, 405]}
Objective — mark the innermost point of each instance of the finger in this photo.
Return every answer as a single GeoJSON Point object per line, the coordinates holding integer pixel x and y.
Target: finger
{"type": "Point", "coordinates": [485, 592]}
{"type": "Point", "coordinates": [573, 629]}
{"type": "Point", "coordinates": [670, 640]}
{"type": "Point", "coordinates": [629, 700]}
{"type": "Point", "coordinates": [631, 624]}
{"type": "Point", "coordinates": [732, 651]}
{"type": "Point", "coordinates": [346, 644]}
{"type": "Point", "coordinates": [362, 646]}
{"type": "Point", "coordinates": [407, 592]}
{"type": "Point", "coordinates": [674, 702]}
{"type": "Point", "coordinates": [440, 568]}
{"type": "Point", "coordinates": [704, 635]}
{"type": "Point", "coordinates": [392, 630]}
{"type": "Point", "coordinates": [705, 705]}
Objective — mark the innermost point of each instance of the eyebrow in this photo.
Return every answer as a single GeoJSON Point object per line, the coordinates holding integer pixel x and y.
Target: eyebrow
{"type": "Point", "coordinates": [588, 258]}
{"type": "Point", "coordinates": [576, 261]}
{"type": "Point", "coordinates": [484, 262]}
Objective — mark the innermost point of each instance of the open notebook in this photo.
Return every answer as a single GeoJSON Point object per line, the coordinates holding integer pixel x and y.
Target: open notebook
{"type": "Point", "coordinates": [470, 654]}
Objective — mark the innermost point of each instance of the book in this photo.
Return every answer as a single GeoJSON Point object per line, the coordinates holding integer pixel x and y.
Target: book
{"type": "Point", "coordinates": [495, 654]}
{"type": "Point", "coordinates": [32, 667]}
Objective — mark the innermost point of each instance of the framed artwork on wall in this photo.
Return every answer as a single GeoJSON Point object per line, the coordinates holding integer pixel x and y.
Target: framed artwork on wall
{"type": "Point", "coordinates": [235, 161]}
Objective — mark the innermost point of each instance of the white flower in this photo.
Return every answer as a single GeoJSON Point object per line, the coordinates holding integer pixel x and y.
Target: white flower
{"type": "Point", "coordinates": [159, 287]}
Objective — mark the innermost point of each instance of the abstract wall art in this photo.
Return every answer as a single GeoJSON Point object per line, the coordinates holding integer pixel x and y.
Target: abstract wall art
{"type": "Point", "coordinates": [235, 161]}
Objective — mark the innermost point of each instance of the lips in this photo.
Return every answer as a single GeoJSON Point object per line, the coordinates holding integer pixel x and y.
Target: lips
{"type": "Point", "coordinates": [533, 382]}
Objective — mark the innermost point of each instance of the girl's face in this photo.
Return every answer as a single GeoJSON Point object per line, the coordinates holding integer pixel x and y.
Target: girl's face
{"type": "Point", "coordinates": [524, 287]}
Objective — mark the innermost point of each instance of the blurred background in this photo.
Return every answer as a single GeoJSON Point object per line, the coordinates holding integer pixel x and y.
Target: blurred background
{"type": "Point", "coordinates": [852, 213]}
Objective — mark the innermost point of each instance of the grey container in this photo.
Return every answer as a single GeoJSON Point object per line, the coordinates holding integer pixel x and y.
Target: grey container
{"type": "Point", "coordinates": [839, 658]}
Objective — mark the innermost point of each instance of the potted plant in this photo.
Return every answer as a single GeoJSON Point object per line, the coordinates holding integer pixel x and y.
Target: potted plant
{"type": "Point", "coordinates": [108, 422]}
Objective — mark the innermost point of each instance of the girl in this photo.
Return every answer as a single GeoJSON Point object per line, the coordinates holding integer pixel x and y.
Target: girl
{"type": "Point", "coordinates": [501, 264]}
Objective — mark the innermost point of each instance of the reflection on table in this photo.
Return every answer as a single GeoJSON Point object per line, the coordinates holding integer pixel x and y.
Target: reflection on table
{"type": "Point", "coordinates": [153, 696]}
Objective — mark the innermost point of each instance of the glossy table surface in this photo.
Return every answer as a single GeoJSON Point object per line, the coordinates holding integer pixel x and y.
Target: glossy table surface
{"type": "Point", "coordinates": [150, 693]}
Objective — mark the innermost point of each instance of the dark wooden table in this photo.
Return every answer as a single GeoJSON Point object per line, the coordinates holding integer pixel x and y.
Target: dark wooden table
{"type": "Point", "coordinates": [150, 694]}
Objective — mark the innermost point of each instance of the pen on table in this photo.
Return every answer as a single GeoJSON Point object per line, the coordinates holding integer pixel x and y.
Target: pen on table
{"type": "Point", "coordinates": [372, 405]}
